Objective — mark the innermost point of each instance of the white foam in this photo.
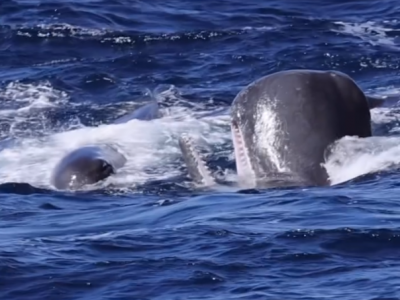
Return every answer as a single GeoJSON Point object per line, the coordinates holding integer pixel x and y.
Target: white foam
{"type": "Point", "coordinates": [370, 32]}
{"type": "Point", "coordinates": [353, 157]}
{"type": "Point", "coordinates": [150, 147]}
{"type": "Point", "coordinates": [22, 104]}
{"type": "Point", "coordinates": [61, 30]}
{"type": "Point", "coordinates": [57, 61]}
{"type": "Point", "coordinates": [25, 97]}
{"type": "Point", "coordinates": [385, 115]}
{"type": "Point", "coordinates": [261, 28]}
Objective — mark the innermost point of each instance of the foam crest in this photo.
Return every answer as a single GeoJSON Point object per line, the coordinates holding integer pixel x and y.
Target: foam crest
{"type": "Point", "coordinates": [20, 98]}
{"type": "Point", "coordinates": [107, 35]}
{"type": "Point", "coordinates": [384, 115]}
{"type": "Point", "coordinates": [352, 157]}
{"type": "Point", "coordinates": [370, 32]}
{"type": "Point", "coordinates": [60, 30]}
{"type": "Point", "coordinates": [387, 115]}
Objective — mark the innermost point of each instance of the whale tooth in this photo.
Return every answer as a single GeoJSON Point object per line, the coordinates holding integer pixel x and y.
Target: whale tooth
{"type": "Point", "coordinates": [195, 164]}
{"type": "Point", "coordinates": [244, 168]}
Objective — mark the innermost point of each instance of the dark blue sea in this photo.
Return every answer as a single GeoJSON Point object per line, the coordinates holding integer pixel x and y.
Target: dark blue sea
{"type": "Point", "coordinates": [69, 68]}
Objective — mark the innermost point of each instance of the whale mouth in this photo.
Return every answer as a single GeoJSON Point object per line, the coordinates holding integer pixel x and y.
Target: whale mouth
{"type": "Point", "coordinates": [245, 171]}
{"type": "Point", "coordinates": [195, 164]}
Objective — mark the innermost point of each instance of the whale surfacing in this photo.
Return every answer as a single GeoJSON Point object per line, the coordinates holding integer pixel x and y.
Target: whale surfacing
{"type": "Point", "coordinates": [289, 119]}
{"type": "Point", "coordinates": [283, 125]}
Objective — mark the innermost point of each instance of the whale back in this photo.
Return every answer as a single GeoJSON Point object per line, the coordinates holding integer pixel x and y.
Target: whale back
{"type": "Point", "coordinates": [147, 112]}
{"type": "Point", "coordinates": [288, 120]}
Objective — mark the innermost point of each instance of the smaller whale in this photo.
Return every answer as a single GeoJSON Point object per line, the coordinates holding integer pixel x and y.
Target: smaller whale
{"type": "Point", "coordinates": [93, 163]}
{"type": "Point", "coordinates": [87, 165]}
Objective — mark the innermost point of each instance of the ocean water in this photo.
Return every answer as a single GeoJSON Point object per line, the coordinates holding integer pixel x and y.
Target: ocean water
{"type": "Point", "coordinates": [69, 68]}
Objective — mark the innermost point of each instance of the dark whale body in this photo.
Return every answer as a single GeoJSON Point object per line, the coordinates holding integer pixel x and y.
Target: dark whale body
{"type": "Point", "coordinates": [285, 122]}
{"type": "Point", "coordinates": [93, 163]}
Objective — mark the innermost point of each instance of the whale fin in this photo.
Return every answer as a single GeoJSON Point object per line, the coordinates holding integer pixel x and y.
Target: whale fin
{"type": "Point", "coordinates": [244, 168]}
{"type": "Point", "coordinates": [388, 100]}
{"type": "Point", "coordinates": [146, 112]}
{"type": "Point", "coordinates": [196, 166]}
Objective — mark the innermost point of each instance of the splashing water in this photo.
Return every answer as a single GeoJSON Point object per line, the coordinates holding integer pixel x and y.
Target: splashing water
{"type": "Point", "coordinates": [151, 147]}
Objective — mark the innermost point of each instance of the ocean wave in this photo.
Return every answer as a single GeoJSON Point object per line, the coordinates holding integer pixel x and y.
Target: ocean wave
{"type": "Point", "coordinates": [54, 31]}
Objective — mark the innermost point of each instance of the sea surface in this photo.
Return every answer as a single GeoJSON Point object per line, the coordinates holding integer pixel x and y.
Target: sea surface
{"type": "Point", "coordinates": [69, 68]}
